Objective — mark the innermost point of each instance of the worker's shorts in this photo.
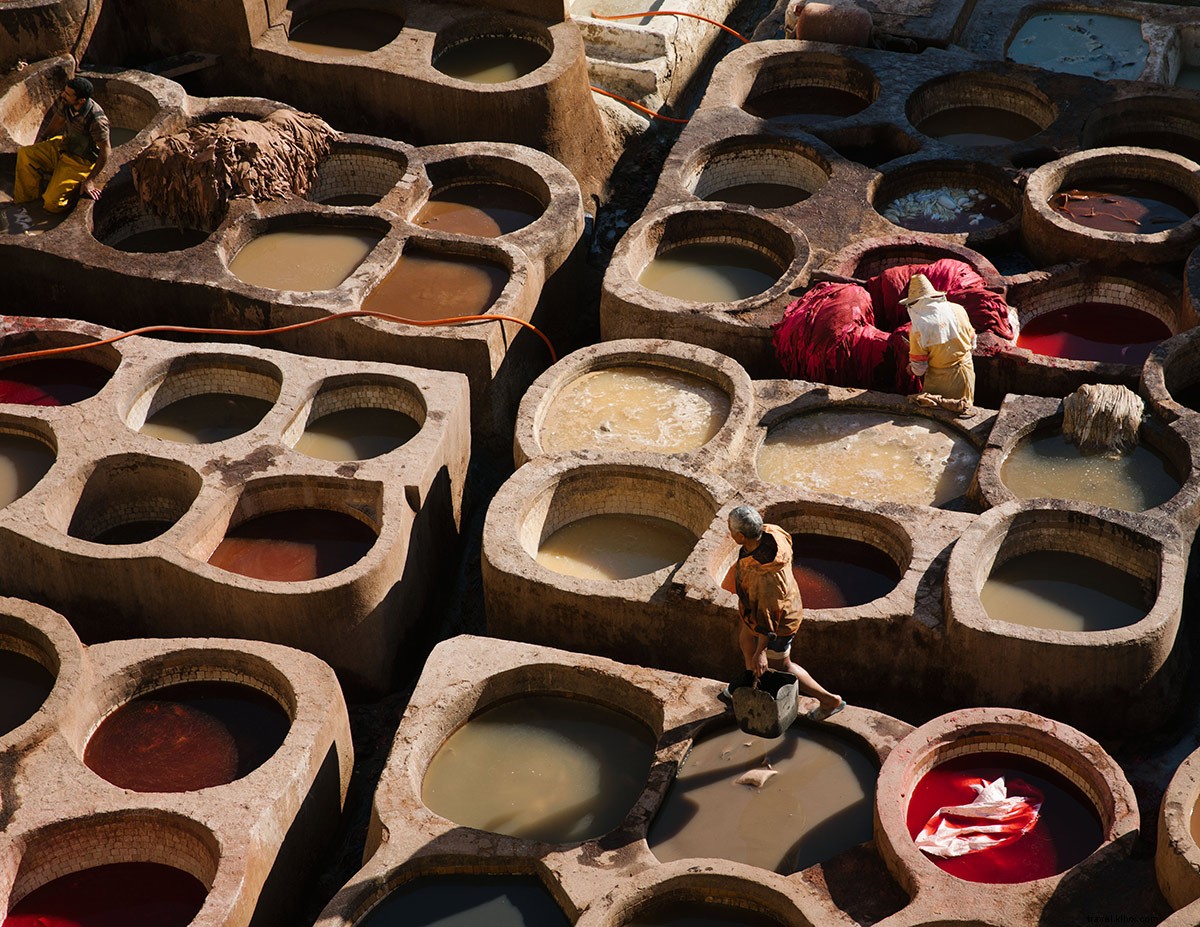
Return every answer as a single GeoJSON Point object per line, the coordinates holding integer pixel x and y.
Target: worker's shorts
{"type": "Point", "coordinates": [779, 649]}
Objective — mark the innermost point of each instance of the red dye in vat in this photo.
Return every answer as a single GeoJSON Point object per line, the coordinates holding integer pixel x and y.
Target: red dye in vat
{"type": "Point", "coordinates": [1142, 207]}
{"type": "Point", "coordinates": [51, 382]}
{"type": "Point", "coordinates": [1102, 332]}
{"type": "Point", "coordinates": [187, 737]}
{"type": "Point", "coordinates": [24, 685]}
{"type": "Point", "coordinates": [116, 895]}
{"type": "Point", "coordinates": [294, 546]}
{"type": "Point", "coordinates": [1066, 833]}
{"type": "Point", "coordinates": [835, 572]}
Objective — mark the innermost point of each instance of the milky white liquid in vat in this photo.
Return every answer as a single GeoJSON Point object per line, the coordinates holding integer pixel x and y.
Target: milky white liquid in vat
{"type": "Point", "coordinates": [1049, 466]}
{"type": "Point", "coordinates": [206, 418]}
{"type": "Point", "coordinates": [356, 434]}
{"type": "Point", "coordinates": [869, 455]}
{"type": "Point", "coordinates": [23, 461]}
{"type": "Point", "coordinates": [634, 408]}
{"type": "Point", "coordinates": [345, 33]}
{"type": "Point", "coordinates": [818, 804]}
{"type": "Point", "coordinates": [492, 60]}
{"type": "Point", "coordinates": [541, 767]}
{"type": "Point", "coordinates": [304, 259]}
{"type": "Point", "coordinates": [1089, 44]}
{"type": "Point", "coordinates": [710, 273]}
{"type": "Point", "coordinates": [615, 546]}
{"type": "Point", "coordinates": [1062, 591]}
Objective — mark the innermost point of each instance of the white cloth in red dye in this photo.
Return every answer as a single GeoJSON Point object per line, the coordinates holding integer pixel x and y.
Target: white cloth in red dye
{"type": "Point", "coordinates": [993, 819]}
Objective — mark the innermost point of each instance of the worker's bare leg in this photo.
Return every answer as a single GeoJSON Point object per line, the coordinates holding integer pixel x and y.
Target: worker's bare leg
{"type": "Point", "coordinates": [810, 686]}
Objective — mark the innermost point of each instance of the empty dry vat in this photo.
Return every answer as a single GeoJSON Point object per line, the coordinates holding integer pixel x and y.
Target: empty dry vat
{"type": "Point", "coordinates": [43, 670]}
{"type": "Point", "coordinates": [663, 397]}
{"type": "Point", "coordinates": [1089, 814]}
{"type": "Point", "coordinates": [1086, 601]}
{"type": "Point", "coordinates": [121, 221]}
{"type": "Point", "coordinates": [979, 109]}
{"type": "Point", "coordinates": [1149, 199]}
{"type": "Point", "coordinates": [131, 499]}
{"type": "Point", "coordinates": [579, 550]}
{"type": "Point", "coordinates": [360, 173]}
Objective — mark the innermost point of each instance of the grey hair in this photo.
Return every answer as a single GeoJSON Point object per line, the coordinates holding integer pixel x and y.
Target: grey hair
{"type": "Point", "coordinates": [746, 522]}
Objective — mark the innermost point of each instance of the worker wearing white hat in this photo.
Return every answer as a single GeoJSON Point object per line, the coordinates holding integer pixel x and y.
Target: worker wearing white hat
{"type": "Point", "coordinates": [940, 345]}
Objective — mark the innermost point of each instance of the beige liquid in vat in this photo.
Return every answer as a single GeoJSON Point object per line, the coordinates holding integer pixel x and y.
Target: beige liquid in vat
{"type": "Point", "coordinates": [541, 767]}
{"type": "Point", "coordinates": [206, 418]}
{"type": "Point", "coordinates": [615, 546]}
{"type": "Point", "coordinates": [635, 408]}
{"type": "Point", "coordinates": [429, 288]}
{"type": "Point", "coordinates": [23, 461]}
{"type": "Point", "coordinates": [302, 259]}
{"type": "Point", "coordinates": [709, 273]}
{"type": "Point", "coordinates": [492, 59]}
{"type": "Point", "coordinates": [345, 33]}
{"type": "Point", "coordinates": [869, 455]}
{"type": "Point", "coordinates": [817, 804]}
{"type": "Point", "coordinates": [356, 434]}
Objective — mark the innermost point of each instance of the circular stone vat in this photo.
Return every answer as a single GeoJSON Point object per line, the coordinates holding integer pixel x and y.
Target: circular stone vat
{"type": "Point", "coordinates": [131, 499]}
{"type": "Point", "coordinates": [430, 282]}
{"type": "Point", "coordinates": [343, 32]}
{"type": "Point", "coordinates": [979, 110]}
{"type": "Point", "coordinates": [561, 770]}
{"type": "Point", "coordinates": [293, 545]}
{"type": "Point", "coordinates": [493, 58]}
{"type": "Point", "coordinates": [681, 912]}
{"type": "Point", "coordinates": [782, 805]}
{"type": "Point", "coordinates": [115, 893]}
{"type": "Point", "coordinates": [360, 417]}
{"type": "Point", "coordinates": [185, 737]}
{"type": "Point", "coordinates": [1172, 376]}
{"type": "Point", "coordinates": [710, 272]}
{"type": "Point", "coordinates": [872, 256]}
{"type": "Point", "coordinates": [1112, 204]}
{"type": "Point", "coordinates": [1046, 465]}
{"type": "Point", "coordinates": [948, 197]}
{"type": "Point", "coordinates": [129, 108]}
{"type": "Point", "coordinates": [813, 86]}
{"type": "Point", "coordinates": [1177, 858]}
{"type": "Point", "coordinates": [25, 457]}
{"type": "Point", "coordinates": [615, 546]}
{"type": "Point", "coordinates": [120, 221]}
{"type": "Point", "coordinates": [483, 195]}
{"type": "Point", "coordinates": [1087, 43]}
{"type": "Point", "coordinates": [1096, 318]}
{"type": "Point", "coordinates": [303, 258]}
{"type": "Point", "coordinates": [205, 398]}
{"type": "Point", "coordinates": [865, 454]}
{"type": "Point", "coordinates": [459, 901]}
{"type": "Point", "coordinates": [25, 683]}
{"type": "Point", "coordinates": [357, 175]}
{"type": "Point", "coordinates": [52, 381]}
{"type": "Point", "coordinates": [1167, 123]}
{"type": "Point", "coordinates": [755, 172]}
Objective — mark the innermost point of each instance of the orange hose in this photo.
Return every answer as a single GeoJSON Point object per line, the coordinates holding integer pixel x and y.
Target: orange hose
{"type": "Point", "coordinates": [712, 22]}
{"type": "Point", "coordinates": [638, 106]}
{"type": "Point", "coordinates": [242, 332]}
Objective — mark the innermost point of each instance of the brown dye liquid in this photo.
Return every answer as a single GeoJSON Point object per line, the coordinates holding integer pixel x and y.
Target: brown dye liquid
{"type": "Point", "coordinates": [1049, 466]}
{"type": "Point", "coordinates": [485, 210]}
{"type": "Point", "coordinates": [24, 685]}
{"type": "Point", "coordinates": [356, 434]}
{"type": "Point", "coordinates": [428, 288]}
{"type": "Point", "coordinates": [23, 461]}
{"type": "Point", "coordinates": [492, 59]}
{"type": "Point", "coordinates": [1195, 824]}
{"type": "Point", "coordinates": [350, 199]}
{"type": "Point", "coordinates": [615, 546]}
{"type": "Point", "coordinates": [761, 195]}
{"type": "Point", "coordinates": [345, 33]}
{"type": "Point", "coordinates": [710, 273]}
{"type": "Point", "coordinates": [978, 126]}
{"type": "Point", "coordinates": [635, 408]}
{"type": "Point", "coordinates": [161, 241]}
{"type": "Point", "coordinates": [699, 914]}
{"type": "Point", "coordinates": [464, 901]}
{"type": "Point", "coordinates": [294, 546]}
{"type": "Point", "coordinates": [302, 259]}
{"type": "Point", "coordinates": [1141, 207]}
{"type": "Point", "coordinates": [818, 804]}
{"type": "Point", "coordinates": [187, 737]}
{"type": "Point", "coordinates": [132, 532]}
{"type": "Point", "coordinates": [1063, 592]}
{"type": "Point", "coordinates": [557, 770]}
{"type": "Point", "coordinates": [816, 104]}
{"type": "Point", "coordinates": [206, 418]}
{"type": "Point", "coordinates": [869, 455]}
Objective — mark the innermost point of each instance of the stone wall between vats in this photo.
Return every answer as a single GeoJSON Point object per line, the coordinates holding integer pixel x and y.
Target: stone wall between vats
{"type": "Point", "coordinates": [238, 839]}
{"type": "Point", "coordinates": [360, 619]}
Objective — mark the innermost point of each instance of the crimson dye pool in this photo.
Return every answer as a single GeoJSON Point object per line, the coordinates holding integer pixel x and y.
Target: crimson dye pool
{"type": "Point", "coordinates": [116, 895]}
{"type": "Point", "coordinates": [51, 382]}
{"type": "Point", "coordinates": [187, 737]}
{"type": "Point", "coordinates": [1142, 207]}
{"type": "Point", "coordinates": [1101, 332]}
{"type": "Point", "coordinates": [1067, 831]}
{"type": "Point", "coordinates": [457, 901]}
{"type": "Point", "coordinates": [24, 685]}
{"type": "Point", "coordinates": [294, 546]}
{"type": "Point", "coordinates": [816, 104]}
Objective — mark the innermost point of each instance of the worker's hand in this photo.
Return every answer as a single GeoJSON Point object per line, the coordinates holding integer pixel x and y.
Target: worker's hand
{"type": "Point", "coordinates": [88, 189]}
{"type": "Point", "coordinates": [760, 664]}
{"type": "Point", "coordinates": [917, 369]}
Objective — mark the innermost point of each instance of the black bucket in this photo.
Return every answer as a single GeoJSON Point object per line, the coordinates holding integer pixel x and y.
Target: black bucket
{"type": "Point", "coordinates": [768, 708]}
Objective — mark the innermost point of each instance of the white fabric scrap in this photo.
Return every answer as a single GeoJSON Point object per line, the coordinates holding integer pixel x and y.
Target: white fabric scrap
{"type": "Point", "coordinates": [993, 819]}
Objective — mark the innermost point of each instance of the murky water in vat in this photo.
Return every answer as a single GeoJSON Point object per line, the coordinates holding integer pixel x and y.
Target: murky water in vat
{"type": "Point", "coordinates": [356, 434]}
{"type": "Point", "coordinates": [615, 546]}
{"type": "Point", "coordinates": [23, 461]}
{"type": "Point", "coordinates": [559, 769]}
{"type": "Point", "coordinates": [302, 259]}
{"type": "Point", "coordinates": [869, 455]}
{"type": "Point", "coordinates": [1086, 43]}
{"type": "Point", "coordinates": [430, 288]}
{"type": "Point", "coordinates": [816, 104]}
{"type": "Point", "coordinates": [492, 59]}
{"type": "Point", "coordinates": [206, 418]}
{"type": "Point", "coordinates": [762, 195]}
{"type": "Point", "coordinates": [978, 126]}
{"type": "Point", "coordinates": [635, 408]}
{"type": "Point", "coordinates": [710, 273]}
{"type": "Point", "coordinates": [486, 210]}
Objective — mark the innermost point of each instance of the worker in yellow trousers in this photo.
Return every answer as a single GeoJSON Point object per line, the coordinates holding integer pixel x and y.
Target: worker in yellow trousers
{"type": "Point", "coordinates": [72, 146]}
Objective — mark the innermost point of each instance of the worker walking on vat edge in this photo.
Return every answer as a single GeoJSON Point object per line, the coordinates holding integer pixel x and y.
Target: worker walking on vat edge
{"type": "Point", "coordinates": [72, 146]}
{"type": "Point", "coordinates": [939, 348]}
{"type": "Point", "coordinates": [770, 607]}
